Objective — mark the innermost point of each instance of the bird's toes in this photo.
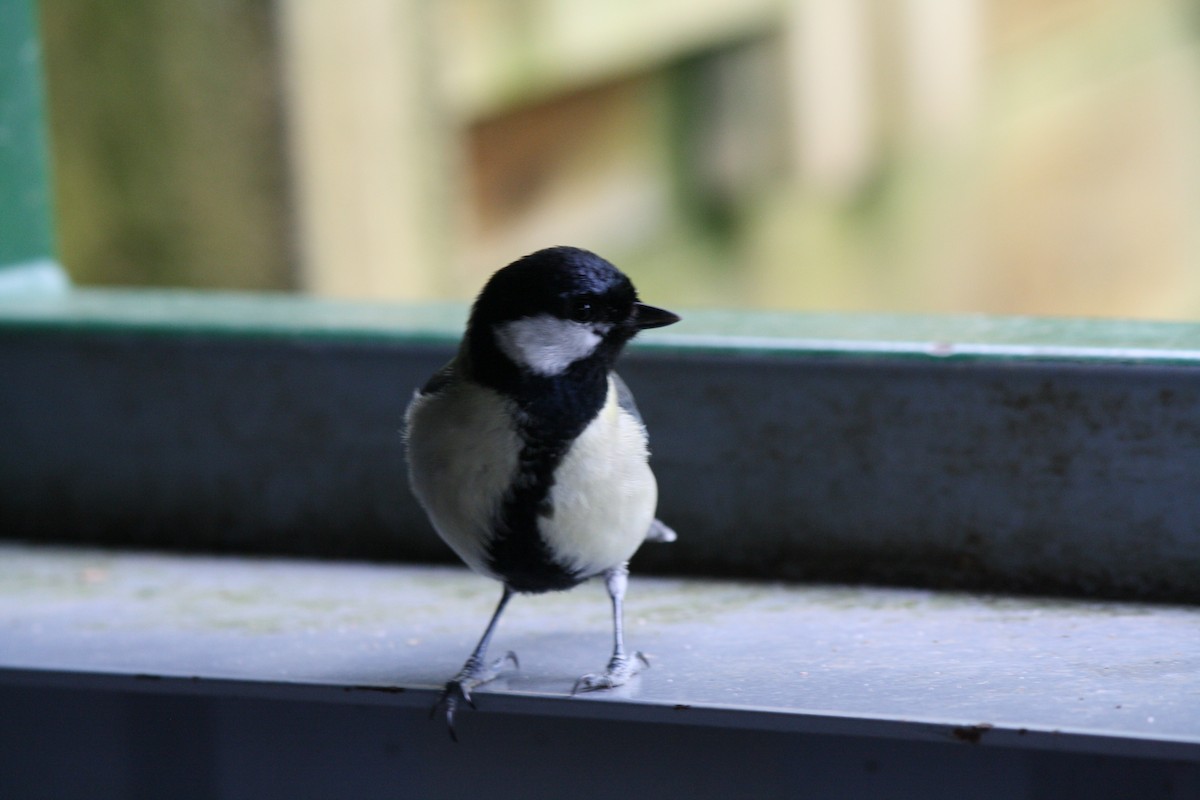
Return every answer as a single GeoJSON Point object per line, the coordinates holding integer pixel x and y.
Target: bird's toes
{"type": "Point", "coordinates": [620, 669]}
{"type": "Point", "coordinates": [592, 682]}
{"type": "Point", "coordinates": [499, 663]}
{"type": "Point", "coordinates": [447, 703]}
{"type": "Point", "coordinates": [458, 689]}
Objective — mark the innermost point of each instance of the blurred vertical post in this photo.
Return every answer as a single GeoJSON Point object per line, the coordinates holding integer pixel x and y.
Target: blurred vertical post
{"type": "Point", "coordinates": [829, 60]}
{"type": "Point", "coordinates": [26, 234]}
{"type": "Point", "coordinates": [365, 147]}
{"type": "Point", "coordinates": [942, 66]}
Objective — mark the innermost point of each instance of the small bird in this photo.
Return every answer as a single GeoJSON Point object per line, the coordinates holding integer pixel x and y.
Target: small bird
{"type": "Point", "coordinates": [527, 450]}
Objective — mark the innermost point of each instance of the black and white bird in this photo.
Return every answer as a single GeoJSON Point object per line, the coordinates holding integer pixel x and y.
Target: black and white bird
{"type": "Point", "coordinates": [527, 451]}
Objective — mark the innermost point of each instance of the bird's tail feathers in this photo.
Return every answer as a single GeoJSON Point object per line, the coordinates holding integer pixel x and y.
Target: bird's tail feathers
{"type": "Point", "coordinates": [660, 532]}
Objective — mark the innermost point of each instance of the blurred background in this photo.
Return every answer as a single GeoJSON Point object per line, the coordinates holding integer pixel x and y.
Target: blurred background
{"type": "Point", "coordinates": [1002, 156]}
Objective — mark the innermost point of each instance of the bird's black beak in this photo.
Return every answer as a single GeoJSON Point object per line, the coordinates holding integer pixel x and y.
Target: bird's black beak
{"type": "Point", "coordinates": [645, 316]}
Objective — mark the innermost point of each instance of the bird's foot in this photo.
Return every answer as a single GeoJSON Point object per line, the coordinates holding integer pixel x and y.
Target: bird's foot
{"type": "Point", "coordinates": [618, 672]}
{"type": "Point", "coordinates": [458, 689]}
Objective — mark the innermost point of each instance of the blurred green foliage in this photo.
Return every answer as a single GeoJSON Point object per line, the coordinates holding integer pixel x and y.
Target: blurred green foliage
{"type": "Point", "coordinates": [166, 124]}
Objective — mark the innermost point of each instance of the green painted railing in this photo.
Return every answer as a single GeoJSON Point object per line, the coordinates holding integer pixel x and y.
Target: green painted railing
{"type": "Point", "coordinates": [964, 337]}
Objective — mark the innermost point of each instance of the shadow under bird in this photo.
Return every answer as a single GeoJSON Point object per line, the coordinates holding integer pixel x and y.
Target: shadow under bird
{"type": "Point", "coordinates": [527, 450]}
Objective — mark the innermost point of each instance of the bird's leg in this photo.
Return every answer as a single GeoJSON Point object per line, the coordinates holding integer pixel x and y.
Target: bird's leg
{"type": "Point", "coordinates": [475, 672]}
{"type": "Point", "coordinates": [621, 667]}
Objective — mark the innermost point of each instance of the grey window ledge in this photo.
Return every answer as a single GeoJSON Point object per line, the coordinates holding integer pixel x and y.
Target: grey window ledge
{"type": "Point", "coordinates": [1118, 679]}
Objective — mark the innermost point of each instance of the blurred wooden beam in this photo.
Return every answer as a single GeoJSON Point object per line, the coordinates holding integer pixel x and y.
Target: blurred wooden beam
{"type": "Point", "coordinates": [833, 99]}
{"type": "Point", "coordinates": [366, 147]}
{"type": "Point", "coordinates": [507, 53]}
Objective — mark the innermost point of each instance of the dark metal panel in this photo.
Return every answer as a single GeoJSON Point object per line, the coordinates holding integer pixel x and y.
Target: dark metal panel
{"type": "Point", "coordinates": [1036, 475]}
{"type": "Point", "coordinates": [287, 447]}
{"type": "Point", "coordinates": [57, 743]}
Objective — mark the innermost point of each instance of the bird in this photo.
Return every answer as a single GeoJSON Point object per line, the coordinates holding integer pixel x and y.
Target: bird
{"type": "Point", "coordinates": [527, 451]}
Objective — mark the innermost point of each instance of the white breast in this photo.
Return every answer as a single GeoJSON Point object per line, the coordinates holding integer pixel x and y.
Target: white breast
{"type": "Point", "coordinates": [448, 434]}
{"type": "Point", "coordinates": [604, 494]}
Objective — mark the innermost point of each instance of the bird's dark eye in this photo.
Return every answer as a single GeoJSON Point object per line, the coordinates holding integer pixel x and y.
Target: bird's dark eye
{"type": "Point", "coordinates": [582, 309]}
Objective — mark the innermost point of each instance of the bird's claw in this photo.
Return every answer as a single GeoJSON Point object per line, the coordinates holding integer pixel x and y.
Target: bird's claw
{"type": "Point", "coordinates": [509, 656]}
{"type": "Point", "coordinates": [620, 669]}
{"type": "Point", "coordinates": [459, 687]}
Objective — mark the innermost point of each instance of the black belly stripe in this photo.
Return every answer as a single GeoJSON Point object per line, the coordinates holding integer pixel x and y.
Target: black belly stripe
{"type": "Point", "coordinates": [556, 412]}
{"type": "Point", "coordinates": [518, 553]}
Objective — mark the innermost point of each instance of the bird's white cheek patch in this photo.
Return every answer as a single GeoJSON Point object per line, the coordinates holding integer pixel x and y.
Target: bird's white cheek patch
{"type": "Point", "coordinates": [544, 344]}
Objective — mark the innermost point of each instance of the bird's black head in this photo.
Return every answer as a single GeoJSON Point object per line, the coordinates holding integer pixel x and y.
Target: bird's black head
{"type": "Point", "coordinates": [552, 310]}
